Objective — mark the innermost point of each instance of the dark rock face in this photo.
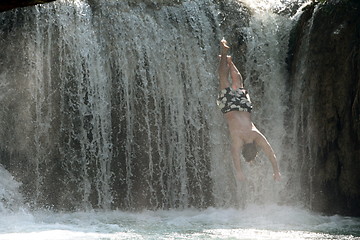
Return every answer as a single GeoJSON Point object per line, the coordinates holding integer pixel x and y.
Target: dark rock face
{"type": "Point", "coordinates": [4, 6]}
{"type": "Point", "coordinates": [324, 83]}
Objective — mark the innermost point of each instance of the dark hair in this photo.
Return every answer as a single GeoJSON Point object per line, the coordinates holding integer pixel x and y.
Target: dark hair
{"type": "Point", "coordinates": [249, 151]}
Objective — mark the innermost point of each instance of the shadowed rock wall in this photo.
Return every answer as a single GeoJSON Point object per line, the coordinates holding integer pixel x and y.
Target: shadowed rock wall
{"type": "Point", "coordinates": [324, 85]}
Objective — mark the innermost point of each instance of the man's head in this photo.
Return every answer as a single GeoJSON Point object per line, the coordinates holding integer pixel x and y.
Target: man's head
{"type": "Point", "coordinates": [249, 151]}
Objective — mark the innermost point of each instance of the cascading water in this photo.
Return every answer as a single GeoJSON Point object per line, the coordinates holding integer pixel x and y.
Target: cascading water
{"type": "Point", "coordinates": [111, 104]}
{"type": "Point", "coordinates": [61, 114]}
{"type": "Point", "coordinates": [266, 75]}
{"type": "Point", "coordinates": [120, 111]}
{"type": "Point", "coordinates": [304, 135]}
{"type": "Point", "coordinates": [116, 110]}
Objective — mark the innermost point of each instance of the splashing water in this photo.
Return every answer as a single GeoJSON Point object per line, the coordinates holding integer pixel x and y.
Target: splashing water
{"type": "Point", "coordinates": [255, 222]}
{"type": "Point", "coordinates": [10, 198]}
{"type": "Point", "coordinates": [278, 6]}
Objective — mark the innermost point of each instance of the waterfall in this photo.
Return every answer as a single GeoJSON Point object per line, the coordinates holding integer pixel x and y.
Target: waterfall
{"type": "Point", "coordinates": [266, 77]}
{"type": "Point", "coordinates": [304, 146]}
{"type": "Point", "coordinates": [110, 108]}
{"type": "Point", "coordinates": [56, 105]}
{"type": "Point", "coordinates": [112, 104]}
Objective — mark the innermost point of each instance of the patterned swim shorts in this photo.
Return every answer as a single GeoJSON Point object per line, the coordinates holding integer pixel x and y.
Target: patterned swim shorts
{"type": "Point", "coordinates": [233, 100]}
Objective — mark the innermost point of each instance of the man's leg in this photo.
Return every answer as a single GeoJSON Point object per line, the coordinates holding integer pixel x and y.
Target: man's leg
{"type": "Point", "coordinates": [236, 146]}
{"type": "Point", "coordinates": [223, 66]}
{"type": "Point", "coordinates": [237, 80]}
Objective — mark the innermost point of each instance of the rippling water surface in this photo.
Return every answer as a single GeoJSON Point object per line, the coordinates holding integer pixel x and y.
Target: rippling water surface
{"type": "Point", "coordinates": [254, 222]}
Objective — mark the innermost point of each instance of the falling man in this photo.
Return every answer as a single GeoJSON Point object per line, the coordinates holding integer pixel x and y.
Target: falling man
{"type": "Point", "coordinates": [234, 102]}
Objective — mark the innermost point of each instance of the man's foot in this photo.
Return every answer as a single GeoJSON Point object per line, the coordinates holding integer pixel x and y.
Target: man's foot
{"type": "Point", "coordinates": [224, 43]}
{"type": "Point", "coordinates": [277, 176]}
{"type": "Point", "coordinates": [223, 47]}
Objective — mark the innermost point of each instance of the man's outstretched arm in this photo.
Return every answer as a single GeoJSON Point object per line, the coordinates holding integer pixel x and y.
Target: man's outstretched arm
{"type": "Point", "coordinates": [269, 152]}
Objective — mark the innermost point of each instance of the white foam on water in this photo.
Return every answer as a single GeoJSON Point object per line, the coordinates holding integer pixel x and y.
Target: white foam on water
{"type": "Point", "coordinates": [254, 222]}
{"type": "Point", "coordinates": [10, 198]}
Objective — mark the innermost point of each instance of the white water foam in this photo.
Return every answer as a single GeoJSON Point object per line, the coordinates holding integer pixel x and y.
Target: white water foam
{"type": "Point", "coordinates": [255, 222]}
{"type": "Point", "coordinates": [10, 198]}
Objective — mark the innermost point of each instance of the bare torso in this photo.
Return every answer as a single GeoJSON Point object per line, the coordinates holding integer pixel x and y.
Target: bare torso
{"type": "Point", "coordinates": [241, 128]}
{"type": "Point", "coordinates": [243, 131]}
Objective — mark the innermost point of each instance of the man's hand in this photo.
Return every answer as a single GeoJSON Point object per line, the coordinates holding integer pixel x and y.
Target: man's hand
{"type": "Point", "coordinates": [240, 176]}
{"type": "Point", "coordinates": [277, 176]}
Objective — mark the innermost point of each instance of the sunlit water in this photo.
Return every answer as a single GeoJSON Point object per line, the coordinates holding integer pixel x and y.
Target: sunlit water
{"type": "Point", "coordinates": [254, 222]}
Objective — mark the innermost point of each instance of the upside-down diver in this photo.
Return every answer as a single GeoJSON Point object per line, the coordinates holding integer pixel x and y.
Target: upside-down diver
{"type": "Point", "coordinates": [234, 102]}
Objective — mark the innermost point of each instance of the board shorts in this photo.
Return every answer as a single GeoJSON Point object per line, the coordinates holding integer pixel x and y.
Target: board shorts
{"type": "Point", "coordinates": [234, 100]}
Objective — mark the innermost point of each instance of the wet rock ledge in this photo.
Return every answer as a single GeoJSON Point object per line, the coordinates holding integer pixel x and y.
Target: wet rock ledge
{"type": "Point", "coordinates": [8, 5]}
